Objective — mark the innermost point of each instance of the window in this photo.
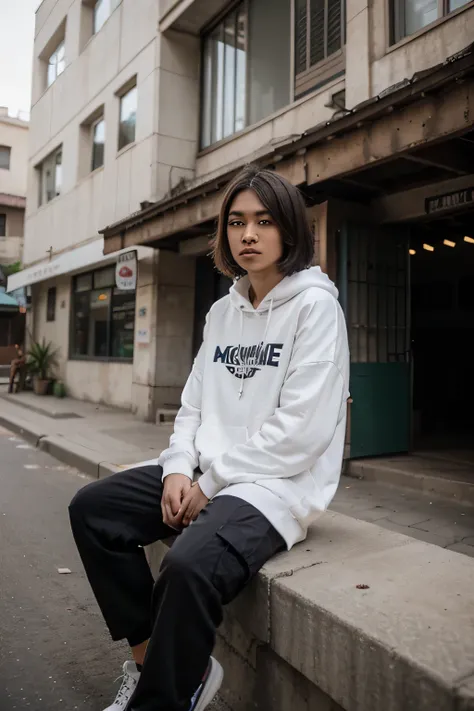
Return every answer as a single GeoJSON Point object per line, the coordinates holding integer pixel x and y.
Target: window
{"type": "Point", "coordinates": [128, 117]}
{"type": "Point", "coordinates": [410, 16]}
{"type": "Point", "coordinates": [5, 152]}
{"type": "Point", "coordinates": [246, 72]}
{"type": "Point", "coordinates": [3, 225]}
{"type": "Point", "coordinates": [103, 317]}
{"type": "Point", "coordinates": [102, 11]}
{"type": "Point", "coordinates": [56, 64]}
{"type": "Point", "coordinates": [319, 42]}
{"type": "Point", "coordinates": [51, 304]}
{"type": "Point", "coordinates": [98, 143]}
{"type": "Point", "coordinates": [50, 176]}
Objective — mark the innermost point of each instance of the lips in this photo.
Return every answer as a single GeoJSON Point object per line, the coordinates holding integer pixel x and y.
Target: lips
{"type": "Point", "coordinates": [246, 252]}
{"type": "Point", "coordinates": [125, 272]}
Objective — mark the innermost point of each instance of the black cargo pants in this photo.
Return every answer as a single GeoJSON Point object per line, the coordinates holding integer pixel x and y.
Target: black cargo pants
{"type": "Point", "coordinates": [208, 565]}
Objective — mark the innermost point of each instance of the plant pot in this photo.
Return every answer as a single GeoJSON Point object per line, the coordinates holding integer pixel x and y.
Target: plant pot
{"type": "Point", "coordinates": [40, 386]}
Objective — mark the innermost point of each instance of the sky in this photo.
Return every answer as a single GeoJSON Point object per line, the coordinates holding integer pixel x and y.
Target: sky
{"type": "Point", "coordinates": [17, 23]}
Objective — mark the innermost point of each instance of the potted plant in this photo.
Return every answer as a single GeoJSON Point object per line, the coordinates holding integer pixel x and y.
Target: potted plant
{"type": "Point", "coordinates": [42, 358]}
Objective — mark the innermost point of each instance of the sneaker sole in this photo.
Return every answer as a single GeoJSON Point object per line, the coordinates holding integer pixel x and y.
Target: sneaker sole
{"type": "Point", "coordinates": [213, 684]}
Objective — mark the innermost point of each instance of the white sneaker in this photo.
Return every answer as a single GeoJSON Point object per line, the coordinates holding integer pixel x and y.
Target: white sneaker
{"type": "Point", "coordinates": [210, 686]}
{"type": "Point", "coordinates": [129, 681]}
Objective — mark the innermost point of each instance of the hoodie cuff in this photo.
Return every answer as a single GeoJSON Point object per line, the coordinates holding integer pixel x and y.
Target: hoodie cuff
{"type": "Point", "coordinates": [178, 464]}
{"type": "Point", "coordinates": [209, 485]}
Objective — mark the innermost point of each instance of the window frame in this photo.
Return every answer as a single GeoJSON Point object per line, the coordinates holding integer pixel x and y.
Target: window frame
{"type": "Point", "coordinates": [111, 7]}
{"type": "Point", "coordinates": [94, 125]}
{"type": "Point", "coordinates": [397, 19]}
{"type": "Point", "coordinates": [42, 182]}
{"type": "Point", "coordinates": [8, 152]}
{"type": "Point", "coordinates": [108, 358]}
{"type": "Point", "coordinates": [51, 300]}
{"type": "Point", "coordinates": [56, 64]}
{"type": "Point", "coordinates": [3, 224]}
{"type": "Point", "coordinates": [130, 86]}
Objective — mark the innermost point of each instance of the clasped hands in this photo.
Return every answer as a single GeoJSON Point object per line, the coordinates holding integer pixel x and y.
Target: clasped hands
{"type": "Point", "coordinates": [182, 501]}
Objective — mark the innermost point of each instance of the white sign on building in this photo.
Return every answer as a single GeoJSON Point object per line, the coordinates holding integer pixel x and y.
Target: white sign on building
{"type": "Point", "coordinates": [126, 271]}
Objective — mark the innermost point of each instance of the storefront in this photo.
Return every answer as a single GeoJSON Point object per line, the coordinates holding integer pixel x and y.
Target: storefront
{"type": "Point", "coordinates": [91, 307]}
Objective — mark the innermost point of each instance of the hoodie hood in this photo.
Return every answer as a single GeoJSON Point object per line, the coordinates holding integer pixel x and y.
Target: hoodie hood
{"type": "Point", "coordinates": [288, 288]}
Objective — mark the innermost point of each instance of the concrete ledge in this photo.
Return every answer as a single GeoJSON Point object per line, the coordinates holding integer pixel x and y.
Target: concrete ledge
{"type": "Point", "coordinates": [303, 636]}
{"type": "Point", "coordinates": [386, 473]}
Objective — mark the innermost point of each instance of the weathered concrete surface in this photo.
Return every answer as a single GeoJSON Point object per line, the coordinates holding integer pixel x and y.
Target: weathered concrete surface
{"type": "Point", "coordinates": [405, 643]}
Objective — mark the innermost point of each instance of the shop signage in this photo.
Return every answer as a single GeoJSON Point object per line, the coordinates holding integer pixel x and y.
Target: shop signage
{"type": "Point", "coordinates": [450, 201]}
{"type": "Point", "coordinates": [126, 271]}
{"type": "Point", "coordinates": [143, 336]}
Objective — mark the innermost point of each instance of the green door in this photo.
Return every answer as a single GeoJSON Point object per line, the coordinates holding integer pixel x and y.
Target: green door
{"type": "Point", "coordinates": [374, 281]}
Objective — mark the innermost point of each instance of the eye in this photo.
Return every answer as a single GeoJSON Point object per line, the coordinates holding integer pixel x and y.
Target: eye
{"type": "Point", "coordinates": [264, 222]}
{"type": "Point", "coordinates": [235, 223]}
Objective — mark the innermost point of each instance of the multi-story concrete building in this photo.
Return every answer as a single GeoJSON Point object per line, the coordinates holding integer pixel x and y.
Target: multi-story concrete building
{"type": "Point", "coordinates": [13, 174]}
{"type": "Point", "coordinates": [368, 107]}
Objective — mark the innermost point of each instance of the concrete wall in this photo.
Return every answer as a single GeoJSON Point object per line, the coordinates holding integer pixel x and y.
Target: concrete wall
{"type": "Point", "coordinates": [11, 246]}
{"type": "Point", "coordinates": [14, 133]}
{"type": "Point", "coordinates": [56, 331]}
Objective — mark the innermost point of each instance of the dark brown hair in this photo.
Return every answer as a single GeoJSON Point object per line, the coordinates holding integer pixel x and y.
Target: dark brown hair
{"type": "Point", "coordinates": [285, 204]}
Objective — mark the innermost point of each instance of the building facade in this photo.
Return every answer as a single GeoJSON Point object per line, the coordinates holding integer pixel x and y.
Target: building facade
{"type": "Point", "coordinates": [13, 177]}
{"type": "Point", "coordinates": [368, 107]}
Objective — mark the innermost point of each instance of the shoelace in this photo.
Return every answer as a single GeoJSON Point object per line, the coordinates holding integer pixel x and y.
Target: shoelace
{"type": "Point", "coordinates": [124, 689]}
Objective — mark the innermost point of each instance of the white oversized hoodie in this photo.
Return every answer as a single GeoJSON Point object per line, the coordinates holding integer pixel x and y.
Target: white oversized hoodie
{"type": "Point", "coordinates": [264, 410]}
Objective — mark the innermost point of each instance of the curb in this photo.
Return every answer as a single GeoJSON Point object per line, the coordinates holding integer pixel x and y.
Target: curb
{"type": "Point", "coordinates": [74, 455]}
{"type": "Point", "coordinates": [26, 430]}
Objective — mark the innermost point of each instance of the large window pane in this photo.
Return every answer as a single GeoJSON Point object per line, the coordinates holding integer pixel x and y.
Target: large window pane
{"type": "Point", "coordinates": [5, 152]}
{"type": "Point", "coordinates": [241, 71]}
{"type": "Point", "coordinates": [206, 119]}
{"type": "Point", "coordinates": [99, 322]}
{"type": "Point", "coordinates": [218, 83]}
{"type": "Point", "coordinates": [229, 74]}
{"type": "Point", "coordinates": [128, 117]}
{"type": "Point", "coordinates": [123, 323]}
{"type": "Point", "coordinates": [456, 4]}
{"type": "Point", "coordinates": [101, 13]}
{"type": "Point", "coordinates": [419, 14]}
{"type": "Point", "coordinates": [80, 324]}
{"type": "Point", "coordinates": [269, 58]}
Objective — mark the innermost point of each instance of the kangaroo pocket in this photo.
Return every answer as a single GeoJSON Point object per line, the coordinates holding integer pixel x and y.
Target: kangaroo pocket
{"type": "Point", "coordinates": [214, 439]}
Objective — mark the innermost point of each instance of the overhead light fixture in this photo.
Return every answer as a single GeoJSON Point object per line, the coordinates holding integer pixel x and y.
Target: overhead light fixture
{"type": "Point", "coordinates": [449, 243]}
{"type": "Point", "coordinates": [412, 251]}
{"type": "Point", "coordinates": [469, 239]}
{"type": "Point", "coordinates": [428, 247]}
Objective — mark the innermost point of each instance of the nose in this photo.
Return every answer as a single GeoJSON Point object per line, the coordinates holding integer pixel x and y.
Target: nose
{"type": "Point", "coordinates": [249, 235]}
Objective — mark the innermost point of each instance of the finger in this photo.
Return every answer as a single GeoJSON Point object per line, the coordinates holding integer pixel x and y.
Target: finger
{"type": "Point", "coordinates": [174, 502]}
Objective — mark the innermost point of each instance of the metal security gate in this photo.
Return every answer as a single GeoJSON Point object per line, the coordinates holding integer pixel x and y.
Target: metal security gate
{"type": "Point", "coordinates": [374, 276]}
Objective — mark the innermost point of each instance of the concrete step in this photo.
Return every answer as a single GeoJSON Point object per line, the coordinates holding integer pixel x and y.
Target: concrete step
{"type": "Point", "coordinates": [166, 415]}
{"type": "Point", "coordinates": [446, 477]}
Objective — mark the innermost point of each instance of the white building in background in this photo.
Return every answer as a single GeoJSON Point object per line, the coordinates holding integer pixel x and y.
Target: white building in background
{"type": "Point", "coordinates": [13, 177]}
{"type": "Point", "coordinates": [142, 112]}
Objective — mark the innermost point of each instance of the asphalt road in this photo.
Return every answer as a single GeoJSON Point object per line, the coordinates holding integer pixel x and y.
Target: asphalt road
{"type": "Point", "coordinates": [54, 650]}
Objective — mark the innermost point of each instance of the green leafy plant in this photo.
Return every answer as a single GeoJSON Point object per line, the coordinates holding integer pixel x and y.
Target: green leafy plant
{"type": "Point", "coordinates": [42, 359]}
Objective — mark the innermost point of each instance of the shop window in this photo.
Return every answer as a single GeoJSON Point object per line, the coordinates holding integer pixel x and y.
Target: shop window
{"type": "Point", "coordinates": [410, 16]}
{"type": "Point", "coordinates": [50, 173]}
{"type": "Point", "coordinates": [246, 70]}
{"type": "Point", "coordinates": [103, 317]}
{"type": "Point", "coordinates": [3, 225]}
{"type": "Point", "coordinates": [128, 117]}
{"type": "Point", "coordinates": [319, 43]}
{"type": "Point", "coordinates": [5, 153]}
{"type": "Point", "coordinates": [51, 304]}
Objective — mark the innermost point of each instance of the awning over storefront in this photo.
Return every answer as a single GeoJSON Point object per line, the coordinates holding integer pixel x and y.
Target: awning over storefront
{"type": "Point", "coordinates": [89, 255]}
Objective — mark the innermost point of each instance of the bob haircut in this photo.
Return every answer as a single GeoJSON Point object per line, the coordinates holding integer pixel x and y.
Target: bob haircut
{"type": "Point", "coordinates": [286, 206]}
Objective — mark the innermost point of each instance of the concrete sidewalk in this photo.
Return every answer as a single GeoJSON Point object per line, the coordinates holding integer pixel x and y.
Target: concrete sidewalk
{"type": "Point", "coordinates": [101, 440]}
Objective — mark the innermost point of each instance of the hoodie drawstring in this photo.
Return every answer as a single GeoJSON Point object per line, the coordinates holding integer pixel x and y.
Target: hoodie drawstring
{"type": "Point", "coordinates": [248, 365]}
